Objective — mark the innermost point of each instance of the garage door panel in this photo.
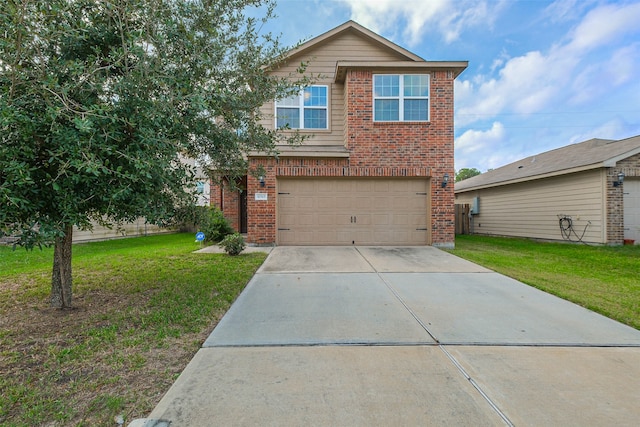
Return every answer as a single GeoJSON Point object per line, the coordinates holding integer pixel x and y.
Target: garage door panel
{"type": "Point", "coordinates": [305, 201]}
{"type": "Point", "coordinates": [381, 219]}
{"type": "Point", "coordinates": [363, 186]}
{"type": "Point", "coordinates": [287, 202]}
{"type": "Point", "coordinates": [387, 186]}
{"type": "Point", "coordinates": [345, 211]}
{"type": "Point", "coordinates": [342, 202]}
{"type": "Point", "coordinates": [400, 219]}
{"type": "Point", "coordinates": [323, 219]}
{"type": "Point", "coordinates": [338, 186]}
{"type": "Point", "coordinates": [306, 220]}
{"type": "Point", "coordinates": [364, 203]}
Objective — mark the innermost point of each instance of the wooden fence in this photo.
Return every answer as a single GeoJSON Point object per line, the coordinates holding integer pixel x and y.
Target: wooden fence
{"type": "Point", "coordinates": [462, 219]}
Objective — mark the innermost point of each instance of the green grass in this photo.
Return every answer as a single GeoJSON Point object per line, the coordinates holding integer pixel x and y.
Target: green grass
{"type": "Point", "coordinates": [604, 279]}
{"type": "Point", "coordinates": [143, 307]}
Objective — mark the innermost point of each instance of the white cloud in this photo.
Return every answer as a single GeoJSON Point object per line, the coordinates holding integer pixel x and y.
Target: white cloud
{"type": "Point", "coordinates": [595, 81]}
{"type": "Point", "coordinates": [450, 17]}
{"type": "Point", "coordinates": [474, 140]}
{"type": "Point", "coordinates": [574, 72]}
{"type": "Point", "coordinates": [478, 147]}
{"type": "Point", "coordinates": [566, 10]}
{"type": "Point", "coordinates": [612, 129]}
{"type": "Point", "coordinates": [604, 25]}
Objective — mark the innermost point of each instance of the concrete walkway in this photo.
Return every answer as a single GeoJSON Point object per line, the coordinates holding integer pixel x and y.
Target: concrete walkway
{"type": "Point", "coordinates": [372, 336]}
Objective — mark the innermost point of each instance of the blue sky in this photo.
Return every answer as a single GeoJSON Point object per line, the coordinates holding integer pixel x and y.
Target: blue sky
{"type": "Point", "coordinates": [542, 74]}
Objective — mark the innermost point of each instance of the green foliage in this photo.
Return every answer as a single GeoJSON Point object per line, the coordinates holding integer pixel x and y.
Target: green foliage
{"type": "Point", "coordinates": [465, 173]}
{"type": "Point", "coordinates": [214, 225]}
{"type": "Point", "coordinates": [100, 100]}
{"type": "Point", "coordinates": [233, 244]}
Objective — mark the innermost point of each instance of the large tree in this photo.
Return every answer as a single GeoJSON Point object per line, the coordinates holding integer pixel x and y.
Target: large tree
{"type": "Point", "coordinates": [466, 173]}
{"type": "Point", "coordinates": [101, 99]}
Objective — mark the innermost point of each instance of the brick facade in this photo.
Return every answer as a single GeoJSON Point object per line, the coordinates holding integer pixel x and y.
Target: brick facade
{"type": "Point", "coordinates": [227, 201]}
{"type": "Point", "coordinates": [615, 207]}
{"type": "Point", "coordinates": [375, 150]}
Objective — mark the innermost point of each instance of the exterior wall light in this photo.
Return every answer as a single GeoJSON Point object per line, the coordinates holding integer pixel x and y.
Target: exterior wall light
{"type": "Point", "coordinates": [261, 179]}
{"type": "Point", "coordinates": [445, 180]}
{"type": "Point", "coordinates": [620, 180]}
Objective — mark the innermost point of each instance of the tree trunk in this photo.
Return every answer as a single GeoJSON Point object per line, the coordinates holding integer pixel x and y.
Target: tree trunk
{"type": "Point", "coordinates": [61, 277]}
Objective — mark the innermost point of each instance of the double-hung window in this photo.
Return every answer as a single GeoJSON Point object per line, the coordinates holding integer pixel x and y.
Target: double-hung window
{"type": "Point", "coordinates": [401, 98]}
{"type": "Point", "coordinates": [307, 110]}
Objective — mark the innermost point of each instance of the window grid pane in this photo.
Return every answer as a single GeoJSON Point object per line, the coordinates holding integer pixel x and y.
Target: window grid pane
{"type": "Point", "coordinates": [315, 118]}
{"type": "Point", "coordinates": [292, 101]}
{"type": "Point", "coordinates": [387, 110]}
{"type": "Point", "coordinates": [290, 116]}
{"type": "Point", "coordinates": [416, 109]}
{"type": "Point", "coordinates": [315, 96]}
{"type": "Point", "coordinates": [416, 85]}
{"type": "Point", "coordinates": [386, 86]}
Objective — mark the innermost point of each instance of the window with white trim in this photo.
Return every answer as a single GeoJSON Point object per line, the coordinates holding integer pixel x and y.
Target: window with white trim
{"type": "Point", "coordinates": [401, 97]}
{"type": "Point", "coordinates": [307, 110]}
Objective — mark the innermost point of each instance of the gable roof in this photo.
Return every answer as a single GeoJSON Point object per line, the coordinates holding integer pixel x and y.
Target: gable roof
{"type": "Point", "coordinates": [405, 60]}
{"type": "Point", "coordinates": [353, 27]}
{"type": "Point", "coordinates": [591, 154]}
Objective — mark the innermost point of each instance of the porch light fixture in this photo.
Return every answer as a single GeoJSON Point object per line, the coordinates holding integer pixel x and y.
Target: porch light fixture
{"type": "Point", "coordinates": [261, 179]}
{"type": "Point", "coordinates": [620, 180]}
{"type": "Point", "coordinates": [445, 180]}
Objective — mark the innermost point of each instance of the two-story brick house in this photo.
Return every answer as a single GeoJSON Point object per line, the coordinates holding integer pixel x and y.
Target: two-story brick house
{"type": "Point", "coordinates": [374, 169]}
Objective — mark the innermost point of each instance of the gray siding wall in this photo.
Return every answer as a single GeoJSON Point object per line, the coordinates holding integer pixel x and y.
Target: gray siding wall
{"type": "Point", "coordinates": [531, 209]}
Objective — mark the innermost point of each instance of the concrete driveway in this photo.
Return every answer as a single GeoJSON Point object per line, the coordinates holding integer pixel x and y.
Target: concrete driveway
{"type": "Point", "coordinates": [377, 336]}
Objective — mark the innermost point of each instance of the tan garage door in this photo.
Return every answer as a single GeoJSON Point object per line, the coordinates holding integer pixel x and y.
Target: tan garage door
{"type": "Point", "coordinates": [348, 211]}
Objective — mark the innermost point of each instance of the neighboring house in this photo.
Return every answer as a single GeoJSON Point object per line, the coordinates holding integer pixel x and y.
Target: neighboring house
{"type": "Point", "coordinates": [130, 229]}
{"type": "Point", "coordinates": [380, 149]}
{"type": "Point", "coordinates": [588, 191]}
{"type": "Point", "coordinates": [140, 227]}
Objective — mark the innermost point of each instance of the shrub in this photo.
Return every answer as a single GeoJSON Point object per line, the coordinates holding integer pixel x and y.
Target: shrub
{"type": "Point", "coordinates": [233, 244]}
{"type": "Point", "coordinates": [214, 225]}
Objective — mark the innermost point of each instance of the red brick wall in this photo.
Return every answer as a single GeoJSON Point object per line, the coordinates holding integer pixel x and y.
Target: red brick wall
{"type": "Point", "coordinates": [376, 150]}
{"type": "Point", "coordinates": [228, 202]}
{"type": "Point", "coordinates": [407, 145]}
{"type": "Point", "coordinates": [615, 207]}
{"type": "Point", "coordinates": [261, 214]}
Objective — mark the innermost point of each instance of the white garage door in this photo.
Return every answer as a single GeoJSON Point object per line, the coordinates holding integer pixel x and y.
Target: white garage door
{"type": "Point", "coordinates": [632, 209]}
{"type": "Point", "coordinates": [352, 211]}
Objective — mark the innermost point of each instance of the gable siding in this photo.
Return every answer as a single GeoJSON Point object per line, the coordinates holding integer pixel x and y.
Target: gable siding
{"type": "Point", "coordinates": [322, 64]}
{"type": "Point", "coordinates": [531, 209]}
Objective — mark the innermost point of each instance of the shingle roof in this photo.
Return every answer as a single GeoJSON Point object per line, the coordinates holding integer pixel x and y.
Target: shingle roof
{"type": "Point", "coordinates": [594, 153]}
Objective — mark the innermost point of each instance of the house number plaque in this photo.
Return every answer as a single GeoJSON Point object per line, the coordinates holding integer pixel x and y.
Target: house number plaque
{"type": "Point", "coordinates": [261, 196]}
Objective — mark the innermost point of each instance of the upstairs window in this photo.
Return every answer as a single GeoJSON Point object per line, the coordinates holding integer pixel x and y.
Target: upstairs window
{"type": "Point", "coordinates": [401, 98]}
{"type": "Point", "coordinates": [307, 110]}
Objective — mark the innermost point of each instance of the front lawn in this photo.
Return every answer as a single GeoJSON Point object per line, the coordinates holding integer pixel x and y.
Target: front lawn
{"type": "Point", "coordinates": [604, 279]}
{"type": "Point", "coordinates": [143, 307]}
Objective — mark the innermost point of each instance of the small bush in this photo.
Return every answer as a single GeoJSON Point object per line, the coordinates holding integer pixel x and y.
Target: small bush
{"type": "Point", "coordinates": [233, 244]}
{"type": "Point", "coordinates": [214, 225]}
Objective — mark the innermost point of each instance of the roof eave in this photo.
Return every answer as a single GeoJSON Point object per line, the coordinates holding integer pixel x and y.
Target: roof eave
{"type": "Point", "coordinates": [456, 66]}
{"type": "Point", "coordinates": [610, 163]}
{"type": "Point", "coordinates": [532, 177]}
